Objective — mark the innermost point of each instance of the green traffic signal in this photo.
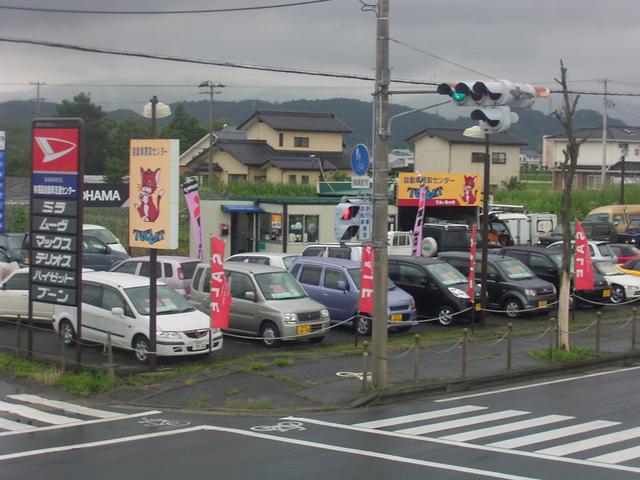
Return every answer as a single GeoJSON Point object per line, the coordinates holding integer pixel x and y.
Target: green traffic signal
{"type": "Point", "coordinates": [458, 96]}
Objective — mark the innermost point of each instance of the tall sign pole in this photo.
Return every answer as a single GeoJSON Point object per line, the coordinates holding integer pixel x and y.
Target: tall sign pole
{"type": "Point", "coordinates": [380, 201]}
{"type": "Point", "coordinates": [2, 183]}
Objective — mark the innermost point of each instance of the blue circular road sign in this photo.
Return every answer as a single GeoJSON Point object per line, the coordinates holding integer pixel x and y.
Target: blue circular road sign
{"type": "Point", "coordinates": [360, 159]}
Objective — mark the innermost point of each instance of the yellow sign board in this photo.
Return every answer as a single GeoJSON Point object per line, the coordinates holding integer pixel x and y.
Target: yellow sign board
{"type": "Point", "coordinates": [441, 189]}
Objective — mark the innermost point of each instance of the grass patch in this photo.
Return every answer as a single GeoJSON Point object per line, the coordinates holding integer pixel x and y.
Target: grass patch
{"type": "Point", "coordinates": [282, 362]}
{"type": "Point", "coordinates": [251, 403]}
{"type": "Point", "coordinates": [84, 383]}
{"type": "Point", "coordinates": [254, 367]}
{"type": "Point", "coordinates": [200, 402]}
{"type": "Point", "coordinates": [575, 355]}
{"type": "Point", "coordinates": [232, 391]}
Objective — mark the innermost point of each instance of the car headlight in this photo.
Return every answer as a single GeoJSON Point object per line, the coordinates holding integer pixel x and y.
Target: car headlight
{"type": "Point", "coordinates": [289, 318]}
{"type": "Point", "coordinates": [555, 290]}
{"type": "Point", "coordinates": [324, 314]}
{"type": "Point", "coordinates": [458, 293]}
{"type": "Point", "coordinates": [168, 334]}
{"type": "Point", "coordinates": [530, 293]}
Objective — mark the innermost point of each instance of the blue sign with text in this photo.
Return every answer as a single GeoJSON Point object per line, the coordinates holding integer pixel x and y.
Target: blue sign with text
{"type": "Point", "coordinates": [360, 159]}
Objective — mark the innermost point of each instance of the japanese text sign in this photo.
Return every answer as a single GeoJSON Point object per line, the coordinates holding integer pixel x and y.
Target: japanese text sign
{"type": "Point", "coordinates": [583, 267]}
{"type": "Point", "coordinates": [441, 189]}
{"type": "Point", "coordinates": [220, 294]}
{"type": "Point", "coordinates": [366, 280]}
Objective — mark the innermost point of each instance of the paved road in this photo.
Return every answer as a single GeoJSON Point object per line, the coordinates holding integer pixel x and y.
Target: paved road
{"type": "Point", "coordinates": [579, 427]}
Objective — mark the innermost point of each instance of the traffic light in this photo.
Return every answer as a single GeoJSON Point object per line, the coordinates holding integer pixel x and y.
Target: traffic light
{"type": "Point", "coordinates": [496, 98]}
{"type": "Point", "coordinates": [347, 219]}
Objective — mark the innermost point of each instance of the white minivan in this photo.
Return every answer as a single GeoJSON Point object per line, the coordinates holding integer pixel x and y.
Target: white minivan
{"type": "Point", "coordinates": [118, 303]}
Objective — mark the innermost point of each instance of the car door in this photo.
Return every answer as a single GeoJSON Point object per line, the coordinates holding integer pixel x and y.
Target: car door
{"type": "Point", "coordinates": [15, 295]}
{"type": "Point", "coordinates": [120, 327]}
{"type": "Point", "coordinates": [414, 281]}
{"type": "Point", "coordinates": [495, 284]}
{"type": "Point", "coordinates": [95, 254]}
{"type": "Point", "coordinates": [543, 267]}
{"type": "Point", "coordinates": [243, 310]}
{"type": "Point", "coordinates": [309, 278]}
{"type": "Point", "coordinates": [335, 293]}
{"type": "Point", "coordinates": [92, 328]}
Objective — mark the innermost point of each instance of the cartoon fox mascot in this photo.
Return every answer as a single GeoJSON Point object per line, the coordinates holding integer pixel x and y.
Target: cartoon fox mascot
{"type": "Point", "coordinates": [470, 192]}
{"type": "Point", "coordinates": [147, 208]}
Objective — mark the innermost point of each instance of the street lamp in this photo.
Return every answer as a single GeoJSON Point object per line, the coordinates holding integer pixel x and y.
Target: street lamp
{"type": "Point", "coordinates": [624, 148]}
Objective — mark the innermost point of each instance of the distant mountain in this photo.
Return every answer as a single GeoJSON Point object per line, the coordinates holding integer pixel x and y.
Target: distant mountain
{"type": "Point", "coordinates": [532, 125]}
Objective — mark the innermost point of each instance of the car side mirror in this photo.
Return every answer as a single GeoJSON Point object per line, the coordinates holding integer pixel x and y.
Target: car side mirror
{"type": "Point", "coordinates": [107, 249]}
{"type": "Point", "coordinates": [117, 311]}
{"type": "Point", "coordinates": [251, 296]}
{"type": "Point", "coordinates": [342, 285]}
{"type": "Point", "coordinates": [492, 276]}
{"type": "Point", "coordinates": [551, 270]}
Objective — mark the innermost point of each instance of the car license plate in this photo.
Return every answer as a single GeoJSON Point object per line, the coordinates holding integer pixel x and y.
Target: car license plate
{"type": "Point", "coordinates": [542, 303]}
{"type": "Point", "coordinates": [396, 317]}
{"type": "Point", "coordinates": [477, 306]}
{"type": "Point", "coordinates": [606, 293]}
{"type": "Point", "coordinates": [199, 346]}
{"type": "Point", "coordinates": [302, 329]}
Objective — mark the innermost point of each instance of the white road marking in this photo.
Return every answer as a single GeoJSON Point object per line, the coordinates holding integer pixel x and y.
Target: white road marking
{"type": "Point", "coordinates": [462, 422]}
{"type": "Point", "coordinates": [82, 422]}
{"type": "Point", "coordinates": [35, 414]}
{"type": "Point", "coordinates": [507, 428]}
{"type": "Point", "coordinates": [619, 456]}
{"type": "Point", "coordinates": [553, 434]}
{"type": "Point", "coordinates": [484, 448]}
{"type": "Point", "coordinates": [67, 407]}
{"type": "Point", "coordinates": [593, 442]}
{"type": "Point", "coordinates": [534, 385]}
{"type": "Point", "coordinates": [14, 426]}
{"type": "Point", "coordinates": [387, 422]}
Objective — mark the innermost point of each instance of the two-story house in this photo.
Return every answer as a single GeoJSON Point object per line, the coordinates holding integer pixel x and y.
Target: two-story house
{"type": "Point", "coordinates": [448, 150]}
{"type": "Point", "coordinates": [620, 142]}
{"type": "Point", "coordinates": [274, 146]}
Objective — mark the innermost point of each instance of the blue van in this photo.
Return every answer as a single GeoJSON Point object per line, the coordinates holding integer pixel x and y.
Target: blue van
{"type": "Point", "coordinates": [335, 282]}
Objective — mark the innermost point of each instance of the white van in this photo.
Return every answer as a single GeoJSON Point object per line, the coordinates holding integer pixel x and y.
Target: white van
{"type": "Point", "coordinates": [399, 243]}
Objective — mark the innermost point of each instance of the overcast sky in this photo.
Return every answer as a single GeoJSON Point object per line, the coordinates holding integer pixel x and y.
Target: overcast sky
{"type": "Point", "coordinates": [517, 40]}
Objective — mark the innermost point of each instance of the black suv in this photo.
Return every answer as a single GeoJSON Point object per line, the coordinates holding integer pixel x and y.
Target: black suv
{"type": "Point", "coordinates": [546, 264]}
{"type": "Point", "coordinates": [438, 289]}
{"type": "Point", "coordinates": [594, 230]}
{"type": "Point", "coordinates": [442, 237]}
{"type": "Point", "coordinates": [631, 234]}
{"type": "Point", "coordinates": [511, 286]}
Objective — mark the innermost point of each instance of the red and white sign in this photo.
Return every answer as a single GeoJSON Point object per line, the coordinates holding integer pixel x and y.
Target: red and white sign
{"type": "Point", "coordinates": [583, 267]}
{"type": "Point", "coordinates": [366, 280]}
{"type": "Point", "coordinates": [220, 295]}
{"type": "Point", "coordinates": [55, 150]}
{"type": "Point", "coordinates": [472, 266]}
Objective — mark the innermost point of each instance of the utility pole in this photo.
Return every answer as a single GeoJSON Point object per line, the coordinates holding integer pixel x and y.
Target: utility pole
{"type": "Point", "coordinates": [39, 99]}
{"type": "Point", "coordinates": [211, 86]}
{"type": "Point", "coordinates": [380, 201]}
{"type": "Point", "coordinates": [603, 175]}
{"type": "Point", "coordinates": [625, 152]}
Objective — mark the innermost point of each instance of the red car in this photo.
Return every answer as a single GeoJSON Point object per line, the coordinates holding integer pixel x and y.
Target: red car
{"type": "Point", "coordinates": [624, 252]}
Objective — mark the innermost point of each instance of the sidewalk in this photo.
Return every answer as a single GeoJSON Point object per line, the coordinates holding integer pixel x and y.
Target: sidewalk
{"type": "Point", "coordinates": [282, 380]}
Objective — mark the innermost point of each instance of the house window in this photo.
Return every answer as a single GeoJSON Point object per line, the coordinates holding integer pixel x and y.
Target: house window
{"type": "Point", "coordinates": [281, 139]}
{"type": "Point", "coordinates": [260, 178]}
{"type": "Point", "coordinates": [477, 157]}
{"type": "Point", "coordinates": [594, 182]}
{"type": "Point", "coordinates": [237, 178]}
{"type": "Point", "coordinates": [303, 228]}
{"type": "Point", "coordinates": [637, 152]}
{"type": "Point", "coordinates": [304, 179]}
{"type": "Point", "coordinates": [499, 158]}
{"type": "Point", "coordinates": [301, 142]}
{"type": "Point", "coordinates": [292, 179]}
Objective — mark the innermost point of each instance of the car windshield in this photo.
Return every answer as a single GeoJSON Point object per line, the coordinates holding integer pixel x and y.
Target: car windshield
{"type": "Point", "coordinates": [12, 242]}
{"type": "Point", "coordinates": [168, 300]}
{"type": "Point", "coordinates": [606, 268]}
{"type": "Point", "coordinates": [558, 230]}
{"type": "Point", "coordinates": [188, 268]}
{"type": "Point", "coordinates": [288, 260]}
{"type": "Point", "coordinates": [605, 250]}
{"type": "Point", "coordinates": [356, 273]}
{"type": "Point", "coordinates": [446, 274]}
{"type": "Point", "coordinates": [279, 286]}
{"type": "Point", "coordinates": [102, 234]}
{"type": "Point", "coordinates": [515, 270]}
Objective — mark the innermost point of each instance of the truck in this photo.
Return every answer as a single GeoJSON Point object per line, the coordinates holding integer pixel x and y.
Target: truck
{"type": "Point", "coordinates": [523, 228]}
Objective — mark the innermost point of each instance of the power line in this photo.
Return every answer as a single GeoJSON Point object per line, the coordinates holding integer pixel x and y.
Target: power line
{"type": "Point", "coordinates": [608, 94]}
{"type": "Point", "coordinates": [160, 12]}
{"type": "Point", "coordinates": [244, 66]}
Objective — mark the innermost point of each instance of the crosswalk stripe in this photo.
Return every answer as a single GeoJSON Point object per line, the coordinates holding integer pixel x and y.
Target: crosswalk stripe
{"type": "Point", "coordinates": [553, 434]}
{"type": "Point", "coordinates": [619, 456]}
{"type": "Point", "coordinates": [14, 426]}
{"type": "Point", "coordinates": [462, 422]}
{"type": "Point", "coordinates": [67, 407]}
{"type": "Point", "coordinates": [387, 422]}
{"type": "Point", "coordinates": [506, 428]}
{"type": "Point", "coordinates": [35, 414]}
{"type": "Point", "coordinates": [593, 442]}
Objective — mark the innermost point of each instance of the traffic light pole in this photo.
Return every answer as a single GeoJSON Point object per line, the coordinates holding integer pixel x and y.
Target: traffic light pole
{"type": "Point", "coordinates": [485, 231]}
{"type": "Point", "coordinates": [380, 201]}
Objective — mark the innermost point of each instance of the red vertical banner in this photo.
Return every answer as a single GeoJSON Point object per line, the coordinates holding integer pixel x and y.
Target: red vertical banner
{"type": "Point", "coordinates": [583, 267]}
{"type": "Point", "coordinates": [417, 226]}
{"type": "Point", "coordinates": [366, 280]}
{"type": "Point", "coordinates": [220, 295]}
{"type": "Point", "coordinates": [472, 266]}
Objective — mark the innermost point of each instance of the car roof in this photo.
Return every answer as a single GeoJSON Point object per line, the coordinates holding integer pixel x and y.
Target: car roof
{"type": "Point", "coordinates": [528, 248]}
{"type": "Point", "coordinates": [343, 245]}
{"type": "Point", "coordinates": [250, 267]}
{"type": "Point", "coordinates": [416, 260]}
{"type": "Point", "coordinates": [117, 279]}
{"type": "Point", "coordinates": [592, 242]}
{"type": "Point", "coordinates": [339, 262]}
{"type": "Point", "coordinates": [163, 257]}
{"type": "Point", "coordinates": [491, 256]}
{"type": "Point", "coordinates": [263, 254]}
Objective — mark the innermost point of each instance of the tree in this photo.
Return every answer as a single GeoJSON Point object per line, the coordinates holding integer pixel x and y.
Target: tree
{"type": "Point", "coordinates": [184, 127]}
{"type": "Point", "coordinates": [96, 143]}
{"type": "Point", "coordinates": [17, 148]}
{"type": "Point", "coordinates": [566, 116]}
{"type": "Point", "coordinates": [119, 135]}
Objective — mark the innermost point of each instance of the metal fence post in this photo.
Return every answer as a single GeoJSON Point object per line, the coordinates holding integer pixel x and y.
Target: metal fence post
{"type": "Point", "coordinates": [552, 337]}
{"type": "Point", "coordinates": [365, 365]}
{"type": "Point", "coordinates": [112, 375]}
{"type": "Point", "coordinates": [598, 320]}
{"type": "Point", "coordinates": [416, 357]}
{"type": "Point", "coordinates": [19, 336]}
{"type": "Point", "coordinates": [63, 363]}
{"type": "Point", "coordinates": [634, 317]}
{"type": "Point", "coordinates": [509, 344]}
{"type": "Point", "coordinates": [465, 338]}
{"type": "Point", "coordinates": [30, 341]}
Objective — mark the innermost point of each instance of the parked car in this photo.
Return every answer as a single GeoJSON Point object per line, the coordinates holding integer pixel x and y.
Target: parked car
{"type": "Point", "coordinates": [437, 288]}
{"type": "Point", "coordinates": [511, 286]}
{"type": "Point", "coordinates": [632, 267]}
{"type": "Point", "coordinates": [631, 234]}
{"type": "Point", "coordinates": [398, 243]}
{"type": "Point", "coordinates": [98, 256]}
{"type": "Point", "coordinates": [282, 260]}
{"type": "Point", "coordinates": [599, 250]}
{"type": "Point", "coordinates": [14, 298]}
{"type": "Point", "coordinates": [624, 252]}
{"type": "Point", "coordinates": [444, 238]}
{"type": "Point", "coordinates": [104, 235]}
{"type": "Point", "coordinates": [594, 230]}
{"type": "Point", "coordinates": [7, 264]}
{"type": "Point", "coordinates": [624, 287]}
{"type": "Point", "coordinates": [546, 264]}
{"type": "Point", "coordinates": [619, 215]}
{"type": "Point", "coordinates": [14, 244]}
{"type": "Point", "coordinates": [119, 303]}
{"type": "Point", "coordinates": [175, 271]}
{"type": "Point", "coordinates": [335, 283]}
{"type": "Point", "coordinates": [266, 302]}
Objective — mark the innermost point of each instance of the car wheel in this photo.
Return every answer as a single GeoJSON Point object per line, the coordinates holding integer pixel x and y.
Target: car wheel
{"type": "Point", "coordinates": [270, 335]}
{"type": "Point", "coordinates": [141, 346]}
{"type": "Point", "coordinates": [316, 339]}
{"type": "Point", "coordinates": [512, 307]}
{"type": "Point", "coordinates": [363, 326]}
{"type": "Point", "coordinates": [67, 332]}
{"type": "Point", "coordinates": [617, 294]}
{"type": "Point", "coordinates": [445, 315]}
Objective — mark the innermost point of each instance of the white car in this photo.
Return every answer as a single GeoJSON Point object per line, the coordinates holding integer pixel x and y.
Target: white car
{"type": "Point", "coordinates": [275, 259]}
{"type": "Point", "coordinates": [600, 250]}
{"type": "Point", "coordinates": [119, 303]}
{"type": "Point", "coordinates": [14, 298]}
{"type": "Point", "coordinates": [8, 264]}
{"type": "Point", "coordinates": [624, 287]}
{"type": "Point", "coordinates": [105, 236]}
